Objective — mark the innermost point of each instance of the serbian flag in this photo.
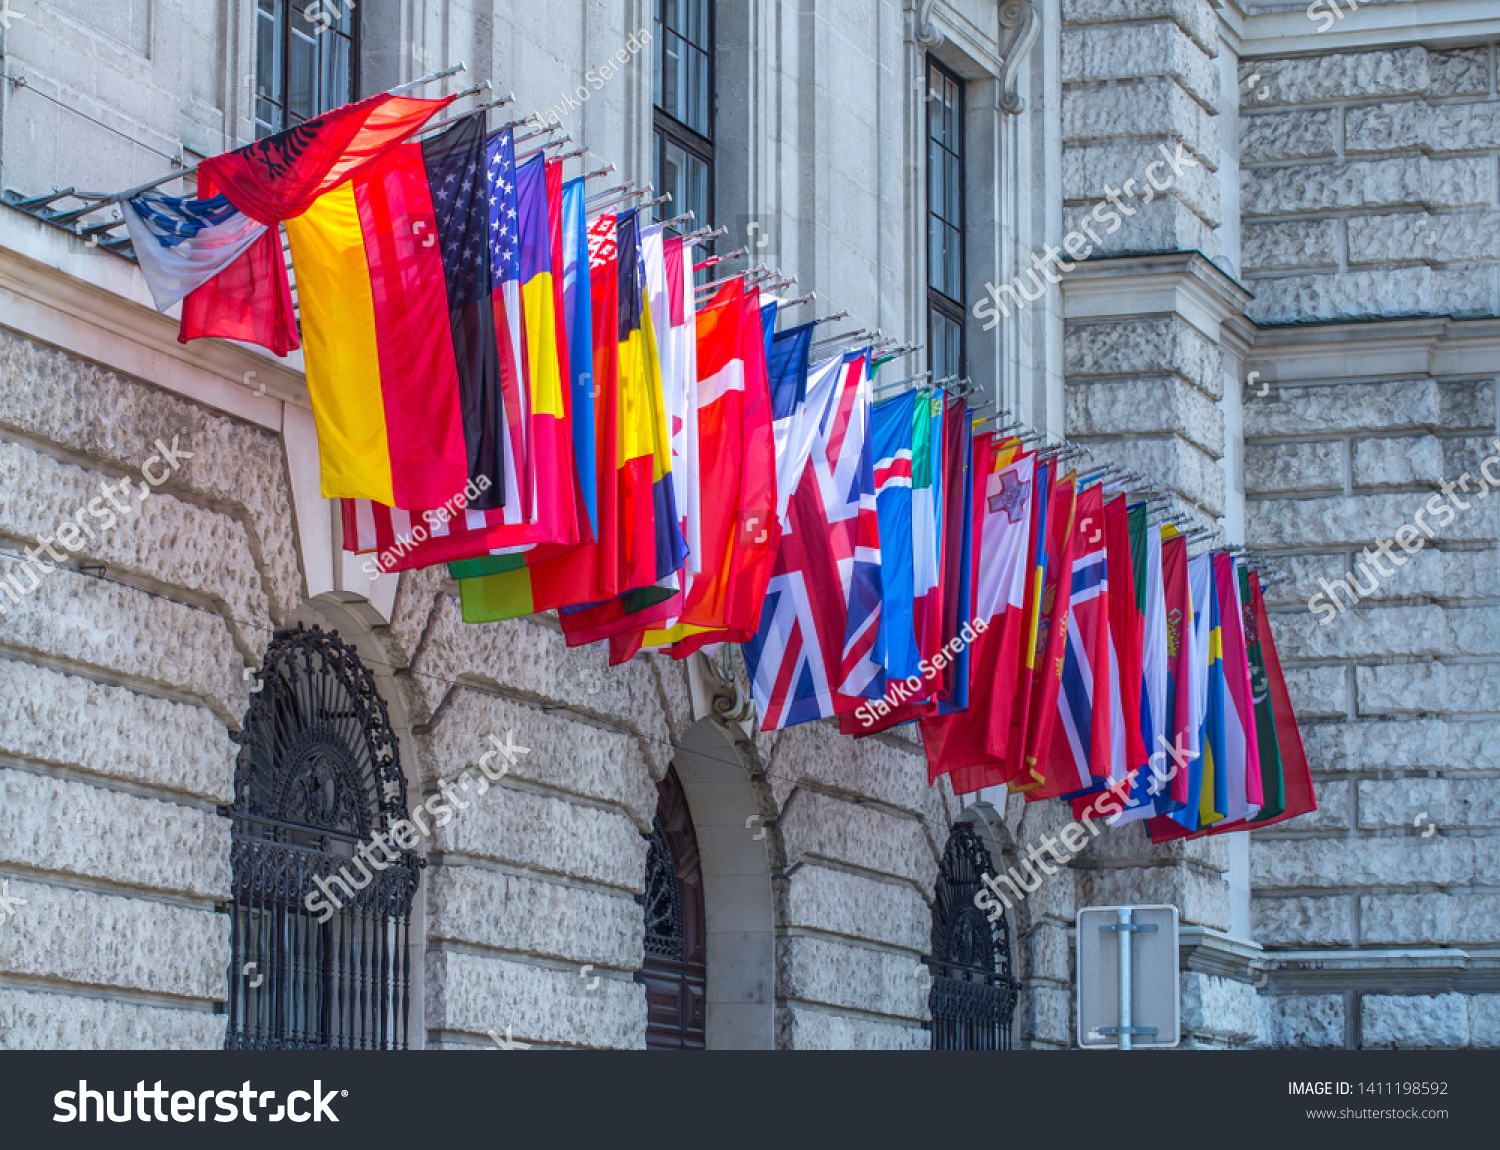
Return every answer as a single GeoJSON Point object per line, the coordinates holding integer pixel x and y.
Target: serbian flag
{"type": "Point", "coordinates": [1298, 784]}
{"type": "Point", "coordinates": [1005, 494]}
{"type": "Point", "coordinates": [277, 179]}
{"type": "Point", "coordinates": [796, 657]}
{"type": "Point", "coordinates": [393, 275]}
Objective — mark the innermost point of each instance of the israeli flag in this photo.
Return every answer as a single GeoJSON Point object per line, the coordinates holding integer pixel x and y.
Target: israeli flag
{"type": "Point", "coordinates": [182, 244]}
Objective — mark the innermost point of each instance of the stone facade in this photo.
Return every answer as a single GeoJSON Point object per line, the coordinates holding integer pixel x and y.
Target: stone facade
{"type": "Point", "coordinates": [1211, 344]}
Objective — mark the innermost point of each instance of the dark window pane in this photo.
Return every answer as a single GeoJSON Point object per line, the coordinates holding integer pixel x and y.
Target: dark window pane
{"type": "Point", "coordinates": [302, 76]}
{"type": "Point", "coordinates": [683, 176]}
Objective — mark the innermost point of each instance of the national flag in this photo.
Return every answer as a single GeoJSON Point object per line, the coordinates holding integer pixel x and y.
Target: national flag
{"type": "Point", "coordinates": [1298, 784]}
{"type": "Point", "coordinates": [578, 312]}
{"type": "Point", "coordinates": [957, 543]}
{"type": "Point", "coordinates": [279, 178]}
{"type": "Point", "coordinates": [853, 446]}
{"type": "Point", "coordinates": [971, 744]}
{"type": "Point", "coordinates": [402, 366]}
{"type": "Point", "coordinates": [1272, 780]}
{"type": "Point", "coordinates": [796, 657]}
{"type": "Point", "coordinates": [1150, 792]}
{"type": "Point", "coordinates": [666, 262]}
{"type": "Point", "coordinates": [183, 243]}
{"type": "Point", "coordinates": [1197, 638]}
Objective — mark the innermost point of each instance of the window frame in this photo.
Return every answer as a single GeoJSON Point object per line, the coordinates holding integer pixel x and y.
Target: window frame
{"type": "Point", "coordinates": [939, 303]}
{"type": "Point", "coordinates": [283, 31]}
{"type": "Point", "coordinates": [667, 129]}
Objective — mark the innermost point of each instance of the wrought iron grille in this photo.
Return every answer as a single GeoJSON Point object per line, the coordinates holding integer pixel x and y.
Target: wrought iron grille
{"type": "Point", "coordinates": [663, 899]}
{"type": "Point", "coordinates": [318, 774]}
{"type": "Point", "coordinates": [973, 996]}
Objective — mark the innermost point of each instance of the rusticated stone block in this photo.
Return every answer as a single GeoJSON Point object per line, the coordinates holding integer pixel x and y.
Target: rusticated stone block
{"type": "Point", "coordinates": [54, 397]}
{"type": "Point", "coordinates": [110, 940]}
{"type": "Point", "coordinates": [1403, 745]}
{"type": "Point", "coordinates": [474, 994]}
{"type": "Point", "coordinates": [564, 754]}
{"type": "Point", "coordinates": [1047, 1016]}
{"type": "Point", "coordinates": [836, 974]}
{"type": "Point", "coordinates": [1467, 405]}
{"type": "Point", "coordinates": [1046, 951]}
{"type": "Point", "coordinates": [1318, 692]}
{"type": "Point", "coordinates": [1293, 244]}
{"type": "Point", "coordinates": [1465, 292]}
{"type": "Point", "coordinates": [1356, 521]}
{"type": "Point", "coordinates": [818, 1030]}
{"type": "Point", "coordinates": [1410, 237]}
{"type": "Point", "coordinates": [1294, 923]}
{"type": "Point", "coordinates": [1393, 183]}
{"type": "Point", "coordinates": [1300, 135]}
{"type": "Point", "coordinates": [1218, 1007]}
{"type": "Point", "coordinates": [55, 825]}
{"type": "Point", "coordinates": [1427, 688]}
{"type": "Point", "coordinates": [1434, 918]}
{"type": "Point", "coordinates": [1465, 72]}
{"type": "Point", "coordinates": [1333, 76]}
{"type": "Point", "coordinates": [1418, 125]}
{"type": "Point", "coordinates": [172, 645]}
{"type": "Point", "coordinates": [1399, 462]}
{"type": "Point", "coordinates": [1143, 407]}
{"type": "Point", "coordinates": [1303, 573]}
{"type": "Point", "coordinates": [1134, 348]}
{"type": "Point", "coordinates": [1132, 51]}
{"type": "Point", "coordinates": [1338, 863]}
{"type": "Point", "coordinates": [1345, 407]}
{"type": "Point", "coordinates": [1484, 1021]}
{"type": "Point", "coordinates": [1333, 814]}
{"type": "Point", "coordinates": [1297, 1021]}
{"type": "Point", "coordinates": [889, 772]}
{"type": "Point", "coordinates": [1414, 1022]}
{"type": "Point", "coordinates": [531, 916]}
{"type": "Point", "coordinates": [818, 826]}
{"type": "Point", "coordinates": [1175, 464]}
{"type": "Point", "coordinates": [1166, 224]}
{"type": "Point", "coordinates": [1142, 110]}
{"type": "Point", "coordinates": [545, 834]}
{"type": "Point", "coordinates": [1475, 803]}
{"type": "Point", "coordinates": [838, 902]}
{"type": "Point", "coordinates": [174, 746]}
{"type": "Point", "coordinates": [1383, 632]}
{"type": "Point", "coordinates": [1199, 898]}
{"type": "Point", "coordinates": [1396, 803]}
{"type": "Point", "coordinates": [1091, 171]}
{"type": "Point", "coordinates": [1284, 468]}
{"type": "Point", "coordinates": [1192, 16]}
{"type": "Point", "coordinates": [34, 1020]}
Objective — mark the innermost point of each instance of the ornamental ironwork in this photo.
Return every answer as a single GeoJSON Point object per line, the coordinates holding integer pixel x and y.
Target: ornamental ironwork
{"type": "Point", "coordinates": [973, 996]}
{"type": "Point", "coordinates": [663, 900]}
{"type": "Point", "coordinates": [321, 908]}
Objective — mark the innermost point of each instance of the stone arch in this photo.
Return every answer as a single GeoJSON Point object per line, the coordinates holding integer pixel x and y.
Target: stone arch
{"type": "Point", "coordinates": [737, 889]}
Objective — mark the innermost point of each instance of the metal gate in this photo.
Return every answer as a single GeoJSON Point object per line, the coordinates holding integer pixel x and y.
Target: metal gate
{"type": "Point", "coordinates": [321, 896]}
{"type": "Point", "coordinates": [973, 996]}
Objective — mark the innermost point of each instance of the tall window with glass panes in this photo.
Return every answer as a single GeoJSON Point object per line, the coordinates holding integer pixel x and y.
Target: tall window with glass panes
{"type": "Point", "coordinates": [306, 60]}
{"type": "Point", "coordinates": [684, 99]}
{"type": "Point", "coordinates": [945, 223]}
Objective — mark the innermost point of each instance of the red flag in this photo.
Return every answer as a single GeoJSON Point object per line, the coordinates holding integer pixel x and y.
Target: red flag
{"type": "Point", "coordinates": [278, 178]}
{"type": "Point", "coordinates": [1300, 799]}
{"type": "Point", "coordinates": [249, 300]}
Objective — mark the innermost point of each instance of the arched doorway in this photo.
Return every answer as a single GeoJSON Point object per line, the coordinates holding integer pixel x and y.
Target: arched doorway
{"type": "Point", "coordinates": [675, 970]}
{"type": "Point", "coordinates": [973, 996]}
{"type": "Point", "coordinates": [320, 921]}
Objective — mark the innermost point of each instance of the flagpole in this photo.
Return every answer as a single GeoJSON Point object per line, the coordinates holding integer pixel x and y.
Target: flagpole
{"type": "Point", "coordinates": [130, 193]}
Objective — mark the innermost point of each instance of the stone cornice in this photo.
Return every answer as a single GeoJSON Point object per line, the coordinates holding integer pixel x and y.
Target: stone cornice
{"type": "Point", "coordinates": [1386, 971]}
{"type": "Point", "coordinates": [1342, 352]}
{"type": "Point", "coordinates": [1258, 29]}
{"type": "Point", "coordinates": [91, 303]}
{"type": "Point", "coordinates": [1213, 952]}
{"type": "Point", "coordinates": [1185, 284]}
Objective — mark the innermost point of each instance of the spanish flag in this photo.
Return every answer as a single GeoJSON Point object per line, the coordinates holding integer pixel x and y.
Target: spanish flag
{"type": "Point", "coordinates": [393, 276]}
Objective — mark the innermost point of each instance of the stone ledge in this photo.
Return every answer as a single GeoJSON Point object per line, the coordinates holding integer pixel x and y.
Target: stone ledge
{"type": "Point", "coordinates": [1381, 971]}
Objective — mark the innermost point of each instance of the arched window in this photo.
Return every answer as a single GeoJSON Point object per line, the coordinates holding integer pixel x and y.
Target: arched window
{"type": "Point", "coordinates": [321, 896]}
{"type": "Point", "coordinates": [675, 970]}
{"type": "Point", "coordinates": [973, 996]}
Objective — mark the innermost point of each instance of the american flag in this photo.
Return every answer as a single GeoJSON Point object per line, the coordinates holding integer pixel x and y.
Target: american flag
{"type": "Point", "coordinates": [510, 326]}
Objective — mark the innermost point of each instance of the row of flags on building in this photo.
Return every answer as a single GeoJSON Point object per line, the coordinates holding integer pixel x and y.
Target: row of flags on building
{"type": "Point", "coordinates": [538, 400]}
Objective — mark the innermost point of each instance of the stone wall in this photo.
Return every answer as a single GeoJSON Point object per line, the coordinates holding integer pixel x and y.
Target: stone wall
{"type": "Point", "coordinates": [1368, 187]}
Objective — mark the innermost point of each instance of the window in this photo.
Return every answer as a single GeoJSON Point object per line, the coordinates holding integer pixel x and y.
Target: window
{"type": "Point", "coordinates": [306, 60]}
{"type": "Point", "coordinates": [945, 222]}
{"type": "Point", "coordinates": [317, 778]}
{"type": "Point", "coordinates": [973, 996]}
{"type": "Point", "coordinates": [684, 95]}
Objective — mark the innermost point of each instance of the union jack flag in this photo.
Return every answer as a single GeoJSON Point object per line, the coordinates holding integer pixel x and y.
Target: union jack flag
{"type": "Point", "coordinates": [818, 647]}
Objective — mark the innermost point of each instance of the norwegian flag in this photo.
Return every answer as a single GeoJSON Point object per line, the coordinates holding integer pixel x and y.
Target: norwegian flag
{"type": "Point", "coordinates": [819, 638]}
